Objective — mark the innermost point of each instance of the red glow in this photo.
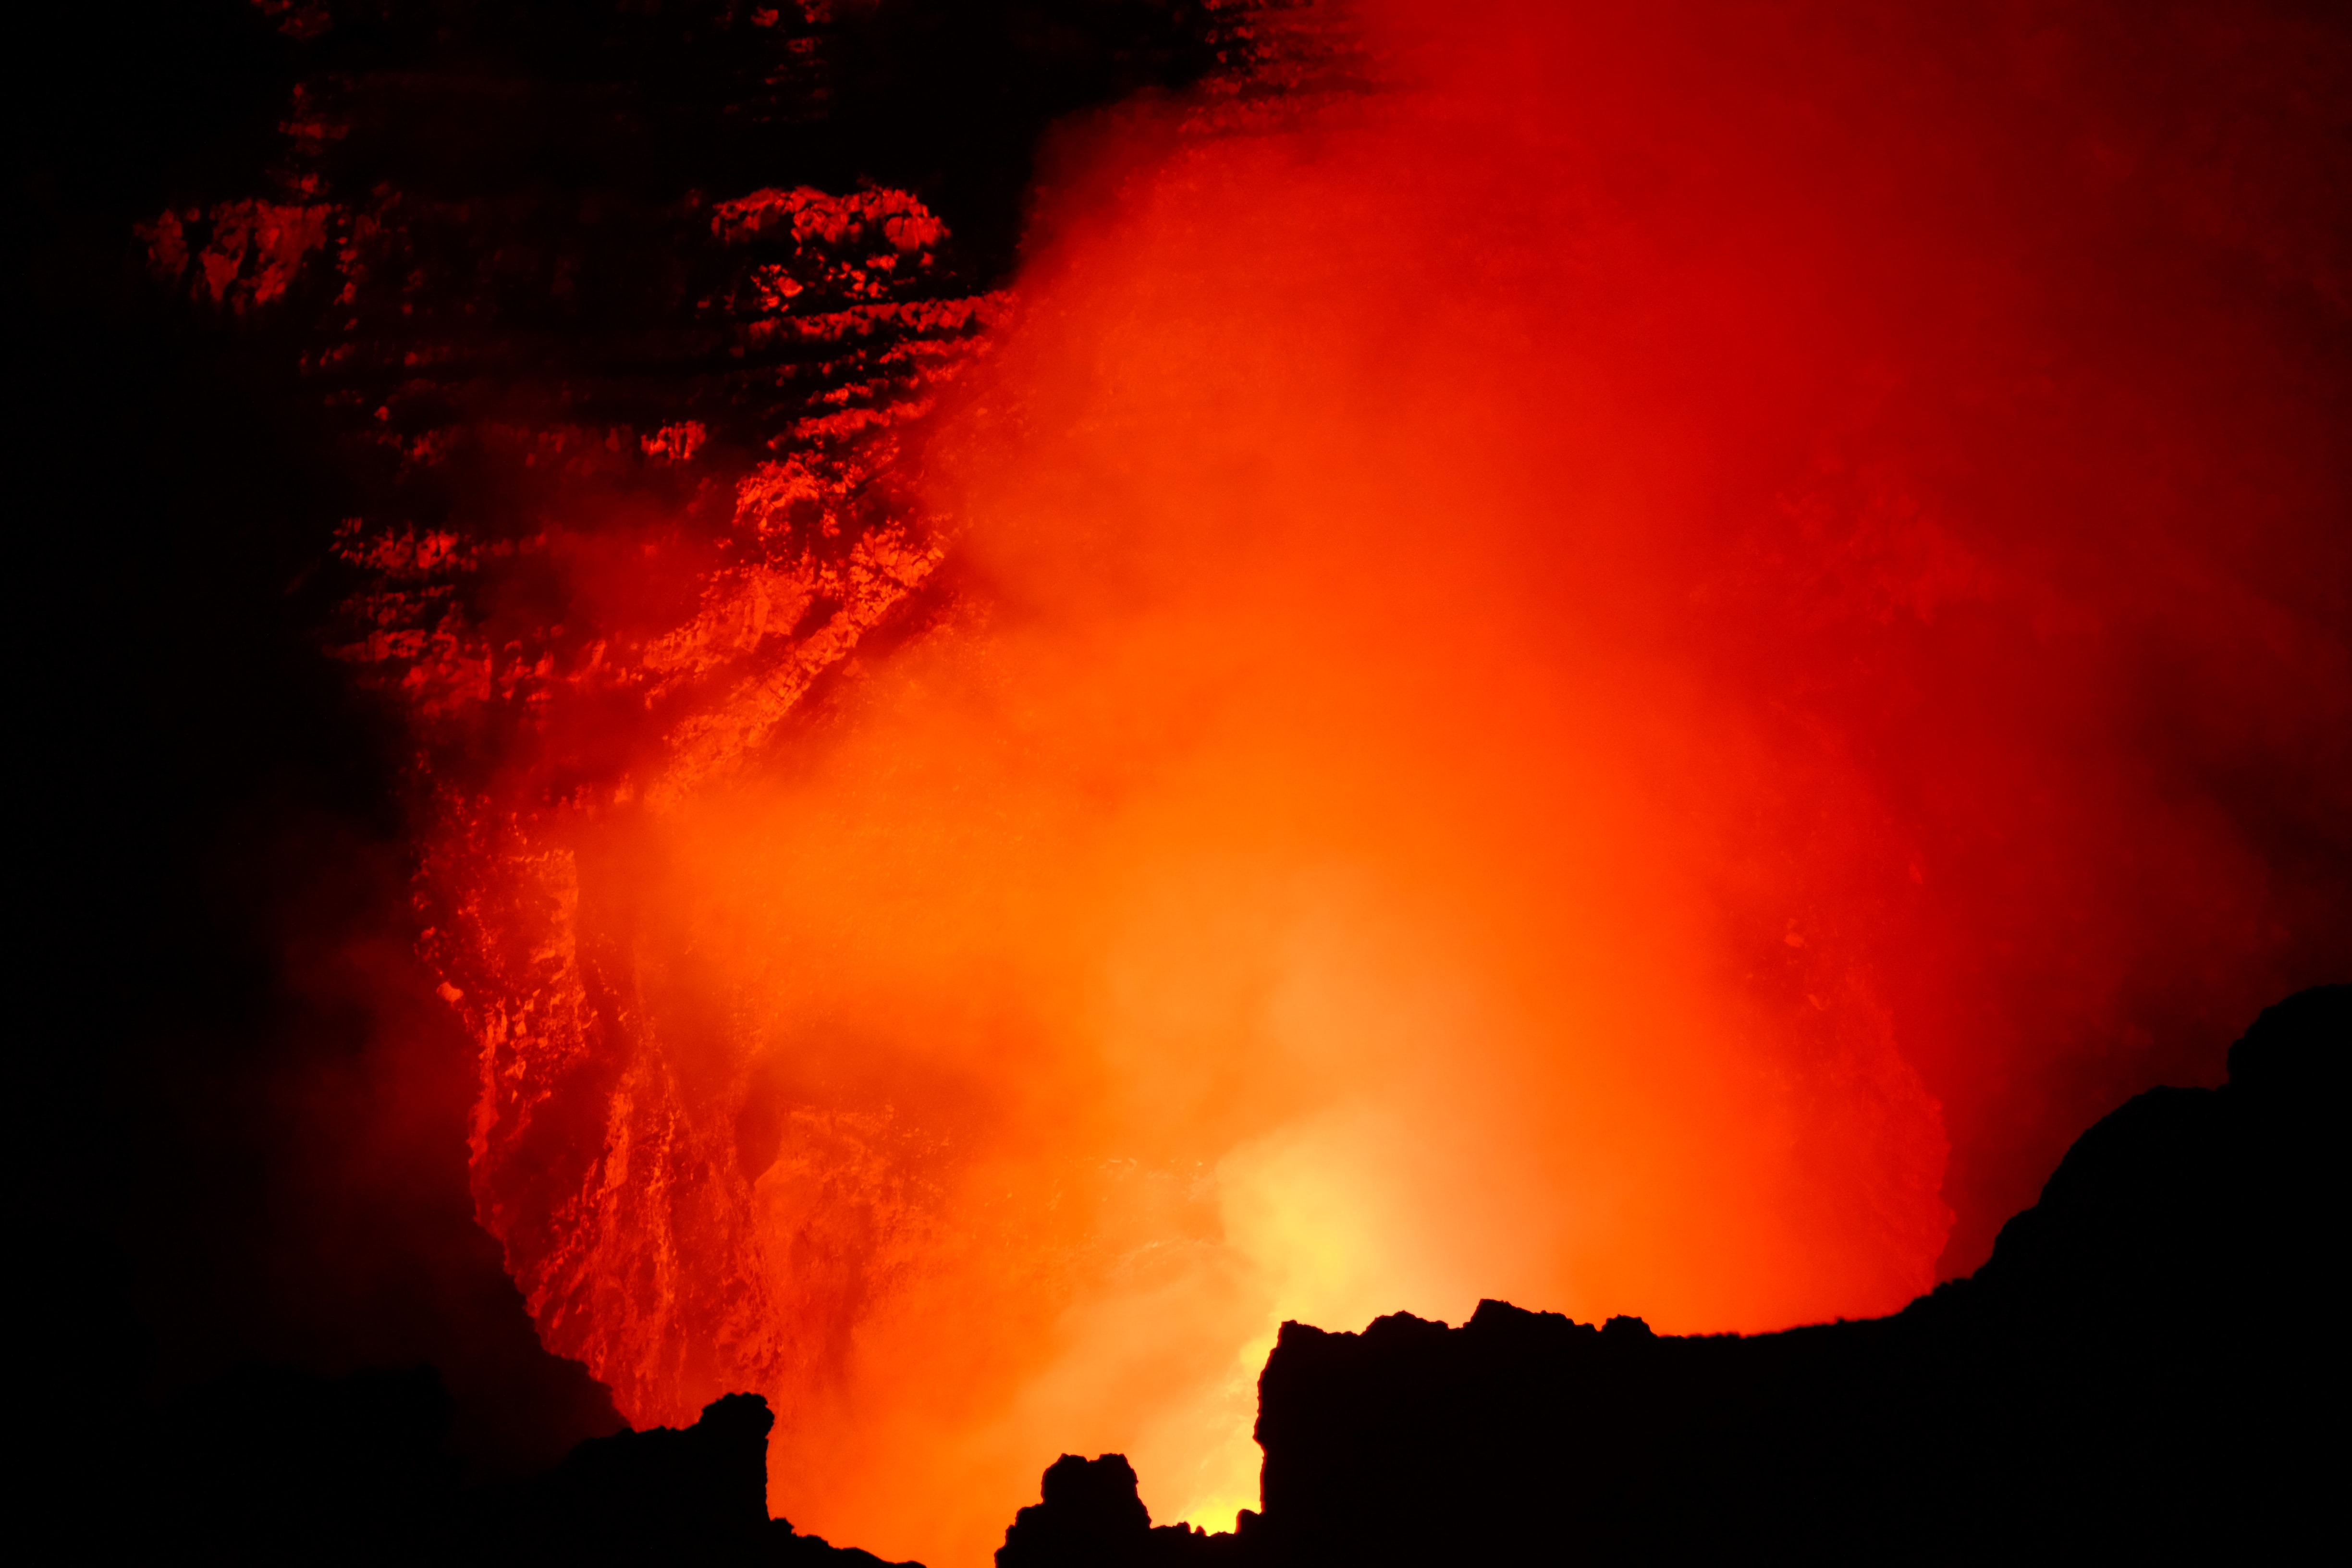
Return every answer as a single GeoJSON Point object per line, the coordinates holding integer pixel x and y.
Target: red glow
{"type": "Point", "coordinates": [1620, 675]}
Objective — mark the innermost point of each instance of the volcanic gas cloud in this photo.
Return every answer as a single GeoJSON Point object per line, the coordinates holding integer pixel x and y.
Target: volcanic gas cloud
{"type": "Point", "coordinates": [1629, 665]}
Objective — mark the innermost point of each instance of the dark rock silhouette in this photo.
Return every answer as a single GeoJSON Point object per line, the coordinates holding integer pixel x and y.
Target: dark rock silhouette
{"type": "Point", "coordinates": [269, 1465]}
{"type": "Point", "coordinates": [697, 1494]}
{"type": "Point", "coordinates": [1089, 1516]}
{"type": "Point", "coordinates": [2132, 1374]}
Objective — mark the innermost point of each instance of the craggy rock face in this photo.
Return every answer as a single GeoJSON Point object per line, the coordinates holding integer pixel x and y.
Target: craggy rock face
{"type": "Point", "coordinates": [626, 327]}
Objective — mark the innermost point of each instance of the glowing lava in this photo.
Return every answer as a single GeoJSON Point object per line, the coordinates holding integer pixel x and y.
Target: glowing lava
{"type": "Point", "coordinates": [1550, 681]}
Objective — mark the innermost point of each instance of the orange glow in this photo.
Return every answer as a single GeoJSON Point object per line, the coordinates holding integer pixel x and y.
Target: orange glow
{"type": "Point", "coordinates": [1559, 681]}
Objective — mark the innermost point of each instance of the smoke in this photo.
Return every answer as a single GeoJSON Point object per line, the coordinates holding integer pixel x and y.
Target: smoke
{"type": "Point", "coordinates": [1631, 670]}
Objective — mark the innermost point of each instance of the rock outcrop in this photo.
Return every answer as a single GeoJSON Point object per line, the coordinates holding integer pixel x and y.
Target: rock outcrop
{"type": "Point", "coordinates": [2134, 1374]}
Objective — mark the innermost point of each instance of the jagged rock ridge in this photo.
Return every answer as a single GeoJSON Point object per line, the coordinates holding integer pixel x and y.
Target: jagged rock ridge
{"type": "Point", "coordinates": [2131, 1375]}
